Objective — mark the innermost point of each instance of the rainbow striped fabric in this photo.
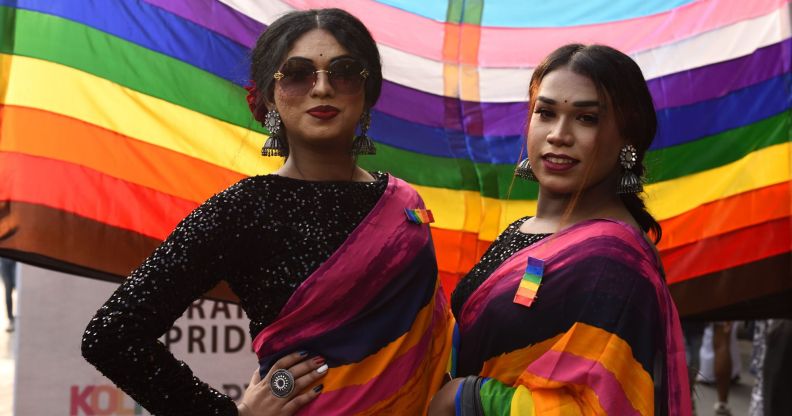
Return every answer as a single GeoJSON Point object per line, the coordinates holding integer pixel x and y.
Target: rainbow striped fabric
{"type": "Point", "coordinates": [603, 338]}
{"type": "Point", "coordinates": [419, 216]}
{"type": "Point", "coordinates": [530, 282]}
{"type": "Point", "coordinates": [389, 345]}
{"type": "Point", "coordinates": [119, 117]}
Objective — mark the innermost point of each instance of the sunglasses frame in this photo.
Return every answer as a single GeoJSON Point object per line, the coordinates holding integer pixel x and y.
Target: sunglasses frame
{"type": "Point", "coordinates": [280, 75]}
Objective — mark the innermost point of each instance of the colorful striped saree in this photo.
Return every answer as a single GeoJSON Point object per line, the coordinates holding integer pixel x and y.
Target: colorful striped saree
{"type": "Point", "coordinates": [601, 337]}
{"type": "Point", "coordinates": [374, 310]}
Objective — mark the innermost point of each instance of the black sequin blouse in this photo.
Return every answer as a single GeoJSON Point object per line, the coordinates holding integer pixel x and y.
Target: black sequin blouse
{"type": "Point", "coordinates": [264, 236]}
{"type": "Point", "coordinates": [509, 242]}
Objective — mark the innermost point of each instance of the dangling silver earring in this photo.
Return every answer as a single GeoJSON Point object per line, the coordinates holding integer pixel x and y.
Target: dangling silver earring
{"type": "Point", "coordinates": [362, 144]}
{"type": "Point", "coordinates": [629, 183]}
{"type": "Point", "coordinates": [524, 171]}
{"type": "Point", "coordinates": [276, 143]}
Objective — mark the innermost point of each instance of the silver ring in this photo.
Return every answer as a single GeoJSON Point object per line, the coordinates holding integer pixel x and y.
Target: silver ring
{"type": "Point", "coordinates": [282, 383]}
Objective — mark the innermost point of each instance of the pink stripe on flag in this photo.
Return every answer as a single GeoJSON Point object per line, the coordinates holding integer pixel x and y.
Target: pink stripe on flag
{"type": "Point", "coordinates": [498, 46]}
{"type": "Point", "coordinates": [570, 368]}
{"type": "Point", "coordinates": [424, 36]}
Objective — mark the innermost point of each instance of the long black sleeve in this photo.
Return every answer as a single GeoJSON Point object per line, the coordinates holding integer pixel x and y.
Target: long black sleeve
{"type": "Point", "coordinates": [264, 235]}
{"type": "Point", "coordinates": [122, 339]}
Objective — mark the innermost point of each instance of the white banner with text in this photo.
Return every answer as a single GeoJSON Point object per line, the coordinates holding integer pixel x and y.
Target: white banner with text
{"type": "Point", "coordinates": [52, 378]}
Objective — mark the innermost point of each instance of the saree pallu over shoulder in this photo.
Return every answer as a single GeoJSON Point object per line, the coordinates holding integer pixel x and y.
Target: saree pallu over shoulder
{"type": "Point", "coordinates": [602, 336]}
{"type": "Point", "coordinates": [374, 310]}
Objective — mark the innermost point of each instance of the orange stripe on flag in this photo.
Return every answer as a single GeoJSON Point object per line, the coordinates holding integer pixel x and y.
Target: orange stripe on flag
{"type": "Point", "coordinates": [457, 252]}
{"type": "Point", "coordinates": [728, 214]}
{"type": "Point", "coordinates": [728, 250]}
{"type": "Point", "coordinates": [110, 153]}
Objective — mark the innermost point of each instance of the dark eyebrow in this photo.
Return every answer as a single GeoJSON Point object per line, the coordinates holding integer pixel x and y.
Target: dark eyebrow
{"type": "Point", "coordinates": [338, 58]}
{"type": "Point", "coordinates": [299, 58]}
{"type": "Point", "coordinates": [589, 103]}
{"type": "Point", "coordinates": [310, 61]}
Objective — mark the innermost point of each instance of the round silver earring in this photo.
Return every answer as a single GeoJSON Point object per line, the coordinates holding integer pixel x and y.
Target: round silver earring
{"type": "Point", "coordinates": [524, 171]}
{"type": "Point", "coordinates": [629, 183]}
{"type": "Point", "coordinates": [362, 144]}
{"type": "Point", "coordinates": [276, 143]}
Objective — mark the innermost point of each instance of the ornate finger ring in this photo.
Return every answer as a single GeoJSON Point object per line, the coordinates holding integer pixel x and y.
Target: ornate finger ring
{"type": "Point", "coordinates": [282, 383]}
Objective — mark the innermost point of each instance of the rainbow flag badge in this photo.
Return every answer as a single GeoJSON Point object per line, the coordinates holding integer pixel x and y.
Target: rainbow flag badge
{"type": "Point", "coordinates": [419, 216]}
{"type": "Point", "coordinates": [529, 284]}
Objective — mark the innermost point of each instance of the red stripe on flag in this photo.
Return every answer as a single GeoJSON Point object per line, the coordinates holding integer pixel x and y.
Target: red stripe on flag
{"type": "Point", "coordinates": [88, 193]}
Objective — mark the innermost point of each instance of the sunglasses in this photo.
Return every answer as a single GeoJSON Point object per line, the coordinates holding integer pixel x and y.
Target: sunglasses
{"type": "Point", "coordinates": [298, 77]}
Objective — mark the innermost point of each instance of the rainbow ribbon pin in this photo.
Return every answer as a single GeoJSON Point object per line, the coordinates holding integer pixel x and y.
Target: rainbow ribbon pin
{"type": "Point", "coordinates": [529, 284]}
{"type": "Point", "coordinates": [419, 216]}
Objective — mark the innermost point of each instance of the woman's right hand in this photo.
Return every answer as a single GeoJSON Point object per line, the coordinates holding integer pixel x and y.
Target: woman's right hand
{"type": "Point", "coordinates": [259, 400]}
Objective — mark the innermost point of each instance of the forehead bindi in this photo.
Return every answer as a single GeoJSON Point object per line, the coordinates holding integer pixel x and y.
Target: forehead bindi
{"type": "Point", "coordinates": [318, 46]}
{"type": "Point", "coordinates": [563, 86]}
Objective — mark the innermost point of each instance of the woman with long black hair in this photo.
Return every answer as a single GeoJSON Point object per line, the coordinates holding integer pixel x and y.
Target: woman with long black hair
{"type": "Point", "coordinates": [568, 312]}
{"type": "Point", "coordinates": [333, 265]}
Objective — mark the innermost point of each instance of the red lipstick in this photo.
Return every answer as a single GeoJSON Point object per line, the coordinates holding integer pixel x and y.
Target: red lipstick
{"type": "Point", "coordinates": [324, 112]}
{"type": "Point", "coordinates": [558, 162]}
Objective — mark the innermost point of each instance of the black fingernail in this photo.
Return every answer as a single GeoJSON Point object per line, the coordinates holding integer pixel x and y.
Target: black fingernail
{"type": "Point", "coordinates": [303, 353]}
{"type": "Point", "coordinates": [318, 388]}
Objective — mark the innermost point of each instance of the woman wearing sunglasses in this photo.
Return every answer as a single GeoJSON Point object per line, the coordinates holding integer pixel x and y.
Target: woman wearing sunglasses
{"type": "Point", "coordinates": [333, 264]}
{"type": "Point", "coordinates": [568, 313]}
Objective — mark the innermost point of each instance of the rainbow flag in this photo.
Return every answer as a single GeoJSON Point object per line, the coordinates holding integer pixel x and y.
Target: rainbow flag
{"type": "Point", "coordinates": [419, 216]}
{"type": "Point", "coordinates": [119, 117]}
{"type": "Point", "coordinates": [530, 282]}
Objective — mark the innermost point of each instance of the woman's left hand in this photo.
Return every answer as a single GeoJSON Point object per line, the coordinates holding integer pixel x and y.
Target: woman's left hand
{"type": "Point", "coordinates": [443, 403]}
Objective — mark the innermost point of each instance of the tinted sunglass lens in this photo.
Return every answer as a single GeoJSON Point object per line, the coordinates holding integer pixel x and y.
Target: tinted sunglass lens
{"type": "Point", "coordinates": [298, 78]}
{"type": "Point", "coordinates": [345, 76]}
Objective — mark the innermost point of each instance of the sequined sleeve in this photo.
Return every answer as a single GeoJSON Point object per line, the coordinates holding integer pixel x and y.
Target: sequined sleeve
{"type": "Point", "coordinates": [122, 339]}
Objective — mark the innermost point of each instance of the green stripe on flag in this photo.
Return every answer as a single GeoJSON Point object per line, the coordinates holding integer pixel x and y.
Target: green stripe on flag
{"type": "Point", "coordinates": [72, 44]}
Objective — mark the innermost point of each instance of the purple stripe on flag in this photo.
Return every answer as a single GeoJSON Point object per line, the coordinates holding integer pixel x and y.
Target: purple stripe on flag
{"type": "Point", "coordinates": [717, 80]}
{"type": "Point", "coordinates": [505, 119]}
{"type": "Point", "coordinates": [509, 119]}
{"type": "Point", "coordinates": [535, 266]}
{"type": "Point", "coordinates": [216, 17]}
{"type": "Point", "coordinates": [491, 119]}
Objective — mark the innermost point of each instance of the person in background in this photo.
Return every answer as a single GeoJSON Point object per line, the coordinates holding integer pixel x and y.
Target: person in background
{"type": "Point", "coordinates": [759, 346]}
{"type": "Point", "coordinates": [8, 272]}
{"type": "Point", "coordinates": [693, 332]}
{"type": "Point", "coordinates": [773, 362]}
{"type": "Point", "coordinates": [722, 343]}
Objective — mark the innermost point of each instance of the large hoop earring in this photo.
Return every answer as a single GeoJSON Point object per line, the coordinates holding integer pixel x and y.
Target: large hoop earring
{"type": "Point", "coordinates": [524, 171]}
{"type": "Point", "coordinates": [629, 183]}
{"type": "Point", "coordinates": [275, 144]}
{"type": "Point", "coordinates": [363, 144]}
